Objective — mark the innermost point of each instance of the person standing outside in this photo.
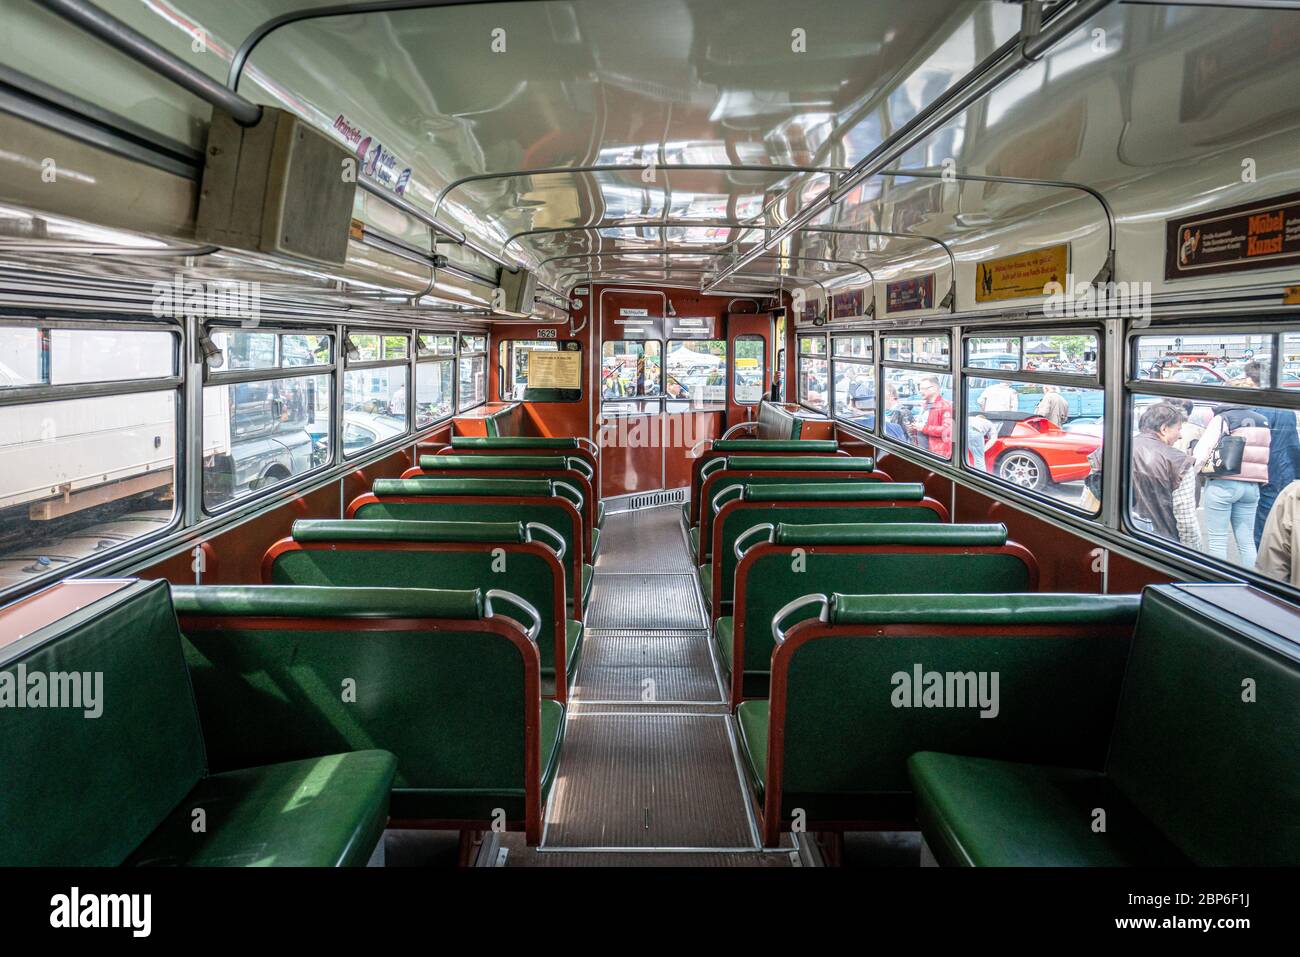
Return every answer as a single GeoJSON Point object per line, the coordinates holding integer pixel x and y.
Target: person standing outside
{"type": "Point", "coordinates": [1053, 406]}
{"type": "Point", "coordinates": [1232, 500]}
{"type": "Point", "coordinates": [1001, 396]}
{"type": "Point", "coordinates": [937, 415]}
{"type": "Point", "coordinates": [1280, 545]}
{"type": "Point", "coordinates": [1164, 478]}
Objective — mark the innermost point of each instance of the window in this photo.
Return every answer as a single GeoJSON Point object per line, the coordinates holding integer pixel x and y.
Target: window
{"type": "Point", "coordinates": [854, 377]}
{"type": "Point", "coordinates": [629, 369]}
{"type": "Point", "coordinates": [917, 394]}
{"type": "Point", "coordinates": [812, 372]}
{"type": "Point", "coordinates": [435, 377]}
{"type": "Point", "coordinates": [778, 367]}
{"type": "Point", "coordinates": [1035, 413]}
{"type": "Point", "coordinates": [82, 475]}
{"type": "Point", "coordinates": [1214, 442]}
{"type": "Point", "coordinates": [697, 370]}
{"type": "Point", "coordinates": [473, 370]}
{"type": "Point", "coordinates": [374, 390]}
{"type": "Point", "coordinates": [751, 355]}
{"type": "Point", "coordinates": [514, 370]}
{"type": "Point", "coordinates": [262, 430]}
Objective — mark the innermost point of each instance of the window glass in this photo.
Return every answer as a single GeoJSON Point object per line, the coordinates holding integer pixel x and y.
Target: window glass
{"type": "Point", "coordinates": [993, 353]}
{"type": "Point", "coordinates": [751, 354]}
{"type": "Point", "coordinates": [472, 342]}
{"type": "Point", "coordinates": [434, 386]}
{"type": "Point", "coordinates": [697, 370]}
{"type": "Point", "coordinates": [395, 347]}
{"type": "Point", "coordinates": [81, 476]}
{"type": "Point", "coordinates": [31, 356]}
{"type": "Point", "coordinates": [813, 378]}
{"type": "Point", "coordinates": [855, 392]}
{"type": "Point", "coordinates": [1065, 354]}
{"type": "Point", "coordinates": [374, 407]}
{"type": "Point", "coordinates": [257, 434]}
{"type": "Point", "coordinates": [857, 346]}
{"type": "Point", "coordinates": [473, 381]}
{"type": "Point", "coordinates": [1289, 373]}
{"type": "Point", "coordinates": [918, 409]}
{"type": "Point", "coordinates": [515, 367]}
{"type": "Point", "coordinates": [629, 369]}
{"type": "Point", "coordinates": [241, 351]}
{"type": "Point", "coordinates": [1207, 475]}
{"type": "Point", "coordinates": [919, 350]}
{"type": "Point", "coordinates": [1043, 438]}
{"type": "Point", "coordinates": [304, 350]}
{"type": "Point", "coordinates": [437, 344]}
{"type": "Point", "coordinates": [367, 347]}
{"type": "Point", "coordinates": [812, 345]}
{"type": "Point", "coordinates": [1236, 360]}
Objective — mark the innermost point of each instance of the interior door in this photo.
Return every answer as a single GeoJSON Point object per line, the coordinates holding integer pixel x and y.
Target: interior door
{"type": "Point", "coordinates": [749, 351]}
{"type": "Point", "coordinates": [630, 392]}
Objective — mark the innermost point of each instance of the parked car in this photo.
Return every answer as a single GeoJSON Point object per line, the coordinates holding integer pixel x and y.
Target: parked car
{"type": "Point", "coordinates": [1032, 451]}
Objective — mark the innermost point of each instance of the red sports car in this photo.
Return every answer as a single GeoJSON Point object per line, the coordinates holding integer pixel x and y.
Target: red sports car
{"type": "Point", "coordinates": [1031, 451]}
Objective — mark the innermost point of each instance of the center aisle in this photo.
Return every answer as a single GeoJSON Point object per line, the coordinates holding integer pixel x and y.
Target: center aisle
{"type": "Point", "coordinates": [649, 773]}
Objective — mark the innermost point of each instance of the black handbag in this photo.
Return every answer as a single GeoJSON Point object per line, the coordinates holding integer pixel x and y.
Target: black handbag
{"type": "Point", "coordinates": [1226, 457]}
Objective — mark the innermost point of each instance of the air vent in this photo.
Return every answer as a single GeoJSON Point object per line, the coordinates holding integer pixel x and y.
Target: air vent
{"type": "Point", "coordinates": [652, 500]}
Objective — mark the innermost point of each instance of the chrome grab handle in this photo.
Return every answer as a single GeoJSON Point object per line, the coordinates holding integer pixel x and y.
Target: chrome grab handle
{"type": "Point", "coordinates": [738, 426]}
{"type": "Point", "coordinates": [530, 527]}
{"type": "Point", "coordinates": [581, 465]}
{"type": "Point", "coordinates": [595, 449]}
{"type": "Point", "coordinates": [765, 527]}
{"type": "Point", "coordinates": [534, 630]}
{"type": "Point", "coordinates": [730, 488]}
{"type": "Point", "coordinates": [574, 490]}
{"type": "Point", "coordinates": [697, 448]}
{"type": "Point", "coordinates": [778, 635]}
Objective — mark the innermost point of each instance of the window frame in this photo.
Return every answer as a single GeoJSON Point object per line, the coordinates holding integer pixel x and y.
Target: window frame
{"type": "Point", "coordinates": [219, 377]}
{"type": "Point", "coordinates": [872, 362]}
{"type": "Point", "coordinates": [463, 353]}
{"type": "Point", "coordinates": [800, 356]}
{"type": "Point", "coordinates": [406, 362]}
{"type": "Point", "coordinates": [734, 369]}
{"type": "Point", "coordinates": [1275, 325]}
{"type": "Point", "coordinates": [958, 436]}
{"type": "Point", "coordinates": [42, 393]}
{"type": "Point", "coordinates": [420, 357]}
{"type": "Point", "coordinates": [1072, 380]}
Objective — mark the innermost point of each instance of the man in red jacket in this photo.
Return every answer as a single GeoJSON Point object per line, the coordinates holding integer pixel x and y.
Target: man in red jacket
{"type": "Point", "coordinates": [937, 426]}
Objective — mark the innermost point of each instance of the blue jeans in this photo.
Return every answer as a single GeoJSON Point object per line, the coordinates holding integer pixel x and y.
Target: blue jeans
{"type": "Point", "coordinates": [1231, 503]}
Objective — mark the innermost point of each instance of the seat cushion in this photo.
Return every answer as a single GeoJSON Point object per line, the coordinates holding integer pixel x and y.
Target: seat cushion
{"type": "Point", "coordinates": [724, 635]}
{"type": "Point", "coordinates": [552, 739]}
{"type": "Point", "coordinates": [751, 719]}
{"type": "Point", "coordinates": [694, 535]}
{"type": "Point", "coordinates": [573, 634]}
{"type": "Point", "coordinates": [978, 812]}
{"type": "Point", "coordinates": [320, 812]}
{"type": "Point", "coordinates": [705, 573]}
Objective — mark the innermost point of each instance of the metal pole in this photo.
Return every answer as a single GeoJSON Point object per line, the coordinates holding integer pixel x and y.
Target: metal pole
{"type": "Point", "coordinates": [140, 48]}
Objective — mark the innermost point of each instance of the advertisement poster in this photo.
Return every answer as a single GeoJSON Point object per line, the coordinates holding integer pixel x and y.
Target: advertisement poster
{"type": "Point", "coordinates": [1260, 235]}
{"type": "Point", "coordinates": [847, 305]}
{"type": "Point", "coordinates": [1021, 276]}
{"type": "Point", "coordinates": [906, 295]}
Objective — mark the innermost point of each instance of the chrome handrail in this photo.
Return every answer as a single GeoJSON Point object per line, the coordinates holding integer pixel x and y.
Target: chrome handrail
{"type": "Point", "coordinates": [765, 527]}
{"type": "Point", "coordinates": [721, 492]}
{"type": "Point", "coordinates": [534, 630]}
{"type": "Point", "coordinates": [778, 634]}
{"type": "Point", "coordinates": [530, 527]}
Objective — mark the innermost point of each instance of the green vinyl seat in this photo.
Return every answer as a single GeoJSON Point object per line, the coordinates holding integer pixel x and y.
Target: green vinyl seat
{"type": "Point", "coordinates": [1201, 765]}
{"type": "Point", "coordinates": [120, 788]}
{"type": "Point", "coordinates": [723, 471]}
{"type": "Point", "coordinates": [834, 738]}
{"type": "Point", "coordinates": [446, 680]}
{"type": "Point", "coordinates": [537, 501]}
{"type": "Point", "coordinates": [720, 448]}
{"type": "Point", "coordinates": [453, 555]}
{"type": "Point", "coordinates": [892, 558]}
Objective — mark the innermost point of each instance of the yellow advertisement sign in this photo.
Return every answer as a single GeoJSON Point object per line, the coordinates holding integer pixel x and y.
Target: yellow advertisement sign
{"type": "Point", "coordinates": [554, 370]}
{"type": "Point", "coordinates": [1021, 276]}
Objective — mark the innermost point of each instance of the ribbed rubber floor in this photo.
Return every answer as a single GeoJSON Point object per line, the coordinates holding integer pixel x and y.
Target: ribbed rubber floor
{"type": "Point", "coordinates": [648, 774]}
{"type": "Point", "coordinates": [647, 780]}
{"type": "Point", "coordinates": [647, 541]}
{"type": "Point", "coordinates": [660, 602]}
{"type": "Point", "coordinates": [651, 667]}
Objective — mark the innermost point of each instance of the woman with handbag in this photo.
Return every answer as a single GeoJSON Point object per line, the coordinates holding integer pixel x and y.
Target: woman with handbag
{"type": "Point", "coordinates": [1232, 456]}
